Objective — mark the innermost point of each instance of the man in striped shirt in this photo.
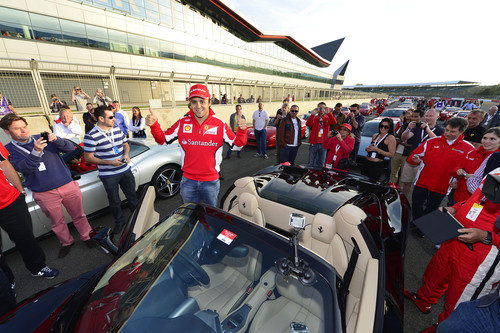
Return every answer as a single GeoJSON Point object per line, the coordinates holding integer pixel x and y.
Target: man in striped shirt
{"type": "Point", "coordinates": [106, 146]}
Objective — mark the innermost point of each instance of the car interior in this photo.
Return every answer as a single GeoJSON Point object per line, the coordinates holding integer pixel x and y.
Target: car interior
{"type": "Point", "coordinates": [213, 286]}
{"type": "Point", "coordinates": [330, 237]}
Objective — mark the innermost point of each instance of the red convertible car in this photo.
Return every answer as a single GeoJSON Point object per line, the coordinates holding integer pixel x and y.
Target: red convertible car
{"type": "Point", "coordinates": [271, 133]}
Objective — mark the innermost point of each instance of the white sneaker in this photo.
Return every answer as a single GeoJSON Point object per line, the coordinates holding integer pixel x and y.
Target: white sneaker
{"type": "Point", "coordinates": [265, 156]}
{"type": "Point", "coordinates": [256, 155]}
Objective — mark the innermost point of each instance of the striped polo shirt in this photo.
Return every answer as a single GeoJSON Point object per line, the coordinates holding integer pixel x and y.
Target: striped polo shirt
{"type": "Point", "coordinates": [106, 146]}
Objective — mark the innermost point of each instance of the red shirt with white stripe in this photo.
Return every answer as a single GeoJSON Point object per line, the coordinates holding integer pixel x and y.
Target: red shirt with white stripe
{"type": "Point", "coordinates": [8, 193]}
{"type": "Point", "coordinates": [440, 162]}
{"type": "Point", "coordinates": [201, 144]}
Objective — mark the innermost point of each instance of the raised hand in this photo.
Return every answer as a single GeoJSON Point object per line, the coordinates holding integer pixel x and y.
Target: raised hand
{"type": "Point", "coordinates": [242, 124]}
{"type": "Point", "coordinates": [151, 118]}
{"type": "Point", "coordinates": [40, 144]}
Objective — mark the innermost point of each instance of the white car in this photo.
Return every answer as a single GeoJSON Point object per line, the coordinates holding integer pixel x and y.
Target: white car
{"type": "Point", "coordinates": [150, 162]}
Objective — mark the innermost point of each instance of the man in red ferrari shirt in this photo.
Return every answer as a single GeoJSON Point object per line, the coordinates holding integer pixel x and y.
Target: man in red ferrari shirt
{"type": "Point", "coordinates": [201, 136]}
{"type": "Point", "coordinates": [438, 158]}
{"type": "Point", "coordinates": [320, 120]}
{"type": "Point", "coordinates": [465, 273]}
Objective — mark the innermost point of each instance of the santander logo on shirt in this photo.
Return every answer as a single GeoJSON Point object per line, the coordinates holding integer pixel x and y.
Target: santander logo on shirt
{"type": "Point", "coordinates": [199, 143]}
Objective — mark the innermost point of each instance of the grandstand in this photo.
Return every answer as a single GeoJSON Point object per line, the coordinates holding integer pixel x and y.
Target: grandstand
{"type": "Point", "coordinates": [427, 89]}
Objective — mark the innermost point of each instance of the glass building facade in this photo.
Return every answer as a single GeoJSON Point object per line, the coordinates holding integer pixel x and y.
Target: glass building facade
{"type": "Point", "coordinates": [172, 19]}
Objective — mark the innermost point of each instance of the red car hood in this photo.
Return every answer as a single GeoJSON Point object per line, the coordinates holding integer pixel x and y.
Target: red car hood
{"type": "Point", "coordinates": [271, 130]}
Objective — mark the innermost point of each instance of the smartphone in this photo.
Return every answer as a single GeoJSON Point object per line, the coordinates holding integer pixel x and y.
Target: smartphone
{"type": "Point", "coordinates": [418, 124]}
{"type": "Point", "coordinates": [45, 136]}
{"type": "Point", "coordinates": [334, 133]}
{"type": "Point", "coordinates": [123, 160]}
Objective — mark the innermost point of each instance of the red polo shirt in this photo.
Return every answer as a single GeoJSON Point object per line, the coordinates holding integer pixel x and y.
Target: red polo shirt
{"type": "Point", "coordinates": [8, 193]}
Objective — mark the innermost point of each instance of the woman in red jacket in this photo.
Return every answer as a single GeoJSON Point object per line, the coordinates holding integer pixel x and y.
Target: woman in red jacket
{"type": "Point", "coordinates": [489, 145]}
{"type": "Point", "coordinates": [339, 146]}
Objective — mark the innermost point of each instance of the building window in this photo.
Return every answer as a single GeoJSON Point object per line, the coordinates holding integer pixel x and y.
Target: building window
{"type": "Point", "coordinates": [135, 44]}
{"type": "Point", "coordinates": [97, 37]}
{"type": "Point", "coordinates": [46, 28]}
{"type": "Point", "coordinates": [73, 33]}
{"type": "Point", "coordinates": [118, 40]}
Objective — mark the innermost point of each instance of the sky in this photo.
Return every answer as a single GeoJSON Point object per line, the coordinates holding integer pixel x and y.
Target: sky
{"type": "Point", "coordinates": [392, 41]}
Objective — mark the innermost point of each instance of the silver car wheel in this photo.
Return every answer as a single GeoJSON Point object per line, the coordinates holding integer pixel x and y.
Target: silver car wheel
{"type": "Point", "coordinates": [167, 181]}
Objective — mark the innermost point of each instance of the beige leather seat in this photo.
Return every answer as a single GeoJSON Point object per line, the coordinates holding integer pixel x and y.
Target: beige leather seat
{"type": "Point", "coordinates": [297, 303]}
{"type": "Point", "coordinates": [248, 208]}
{"type": "Point", "coordinates": [229, 280]}
{"type": "Point", "coordinates": [321, 237]}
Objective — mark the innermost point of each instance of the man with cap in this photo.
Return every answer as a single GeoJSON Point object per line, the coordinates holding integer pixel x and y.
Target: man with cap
{"type": "Point", "coordinates": [201, 136]}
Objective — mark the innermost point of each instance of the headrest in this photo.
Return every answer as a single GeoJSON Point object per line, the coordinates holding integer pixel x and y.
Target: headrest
{"type": "Point", "coordinates": [247, 204]}
{"type": "Point", "coordinates": [350, 214]}
{"type": "Point", "coordinates": [323, 228]}
{"type": "Point", "coordinates": [242, 182]}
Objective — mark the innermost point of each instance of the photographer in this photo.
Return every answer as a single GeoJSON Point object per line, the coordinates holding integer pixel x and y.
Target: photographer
{"type": "Point", "coordinates": [339, 145]}
{"type": "Point", "coordinates": [383, 145]}
{"type": "Point", "coordinates": [55, 103]}
{"type": "Point", "coordinates": [319, 122]}
{"type": "Point", "coordinates": [79, 97]}
{"type": "Point", "coordinates": [100, 99]}
{"type": "Point", "coordinates": [357, 122]}
{"type": "Point", "coordinates": [47, 176]}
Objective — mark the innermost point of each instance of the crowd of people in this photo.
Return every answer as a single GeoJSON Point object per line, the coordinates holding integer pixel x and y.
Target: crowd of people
{"type": "Point", "coordinates": [429, 162]}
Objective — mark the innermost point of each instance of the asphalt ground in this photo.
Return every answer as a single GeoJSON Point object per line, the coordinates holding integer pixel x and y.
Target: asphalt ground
{"type": "Point", "coordinates": [80, 259]}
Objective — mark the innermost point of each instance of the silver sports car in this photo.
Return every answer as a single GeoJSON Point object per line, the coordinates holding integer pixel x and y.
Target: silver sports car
{"type": "Point", "coordinates": [150, 162]}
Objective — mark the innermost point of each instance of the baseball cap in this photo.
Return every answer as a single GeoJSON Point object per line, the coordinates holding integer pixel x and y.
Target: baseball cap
{"type": "Point", "coordinates": [346, 126]}
{"type": "Point", "coordinates": [199, 90]}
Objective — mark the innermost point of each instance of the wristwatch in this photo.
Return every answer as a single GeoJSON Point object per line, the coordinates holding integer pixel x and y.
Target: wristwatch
{"type": "Point", "coordinates": [488, 240]}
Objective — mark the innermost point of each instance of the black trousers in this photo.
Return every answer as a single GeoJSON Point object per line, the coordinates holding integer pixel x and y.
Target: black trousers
{"type": "Point", "coordinates": [372, 170]}
{"type": "Point", "coordinates": [15, 219]}
{"type": "Point", "coordinates": [424, 201]}
{"type": "Point", "coordinates": [7, 296]}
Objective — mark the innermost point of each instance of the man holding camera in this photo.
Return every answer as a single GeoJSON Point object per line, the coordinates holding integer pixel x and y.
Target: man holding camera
{"type": "Point", "coordinates": [107, 146]}
{"type": "Point", "coordinates": [79, 97]}
{"type": "Point", "coordinates": [6, 106]}
{"type": "Point", "coordinates": [55, 104]}
{"type": "Point", "coordinates": [357, 122]}
{"type": "Point", "coordinates": [47, 176]}
{"type": "Point", "coordinates": [319, 122]}
{"type": "Point", "coordinates": [100, 99]}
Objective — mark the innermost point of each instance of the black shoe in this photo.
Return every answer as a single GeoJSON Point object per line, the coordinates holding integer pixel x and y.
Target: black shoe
{"type": "Point", "coordinates": [64, 250]}
{"type": "Point", "coordinates": [226, 157]}
{"type": "Point", "coordinates": [418, 233]}
{"type": "Point", "coordinates": [89, 243]}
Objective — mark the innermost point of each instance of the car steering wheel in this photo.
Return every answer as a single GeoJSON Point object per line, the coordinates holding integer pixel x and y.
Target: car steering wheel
{"type": "Point", "coordinates": [200, 275]}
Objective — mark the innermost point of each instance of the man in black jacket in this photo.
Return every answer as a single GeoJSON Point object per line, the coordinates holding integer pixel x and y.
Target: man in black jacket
{"type": "Point", "coordinates": [288, 136]}
{"type": "Point", "coordinates": [280, 114]}
{"type": "Point", "coordinates": [492, 118]}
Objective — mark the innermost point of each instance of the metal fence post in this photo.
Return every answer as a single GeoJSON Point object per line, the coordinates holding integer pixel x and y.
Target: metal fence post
{"type": "Point", "coordinates": [232, 91]}
{"type": "Point", "coordinates": [271, 93]}
{"type": "Point", "coordinates": [40, 90]}
{"type": "Point", "coordinates": [114, 84]}
{"type": "Point", "coordinates": [172, 90]}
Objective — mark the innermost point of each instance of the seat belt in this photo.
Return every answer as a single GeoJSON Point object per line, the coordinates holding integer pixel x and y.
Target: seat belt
{"type": "Point", "coordinates": [346, 280]}
{"type": "Point", "coordinates": [242, 298]}
{"type": "Point", "coordinates": [350, 267]}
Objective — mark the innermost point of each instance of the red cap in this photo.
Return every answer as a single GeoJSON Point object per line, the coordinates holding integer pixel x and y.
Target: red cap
{"type": "Point", "coordinates": [199, 90]}
{"type": "Point", "coordinates": [346, 126]}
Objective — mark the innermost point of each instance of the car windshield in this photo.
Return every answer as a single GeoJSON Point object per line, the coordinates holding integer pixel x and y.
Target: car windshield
{"type": "Point", "coordinates": [196, 270]}
{"type": "Point", "coordinates": [370, 128]}
{"type": "Point", "coordinates": [392, 113]}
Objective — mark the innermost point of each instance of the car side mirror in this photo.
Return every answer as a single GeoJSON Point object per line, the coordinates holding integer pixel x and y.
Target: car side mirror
{"type": "Point", "coordinates": [103, 237]}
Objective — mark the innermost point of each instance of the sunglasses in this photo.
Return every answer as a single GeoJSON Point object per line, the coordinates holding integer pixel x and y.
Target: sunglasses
{"type": "Point", "coordinates": [110, 117]}
{"type": "Point", "coordinates": [384, 126]}
{"type": "Point", "coordinates": [294, 111]}
{"type": "Point", "coordinates": [353, 110]}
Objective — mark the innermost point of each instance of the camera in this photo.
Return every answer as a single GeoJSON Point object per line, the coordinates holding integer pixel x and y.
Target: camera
{"type": "Point", "coordinates": [334, 132]}
{"type": "Point", "coordinates": [297, 221]}
{"type": "Point", "coordinates": [45, 136]}
{"type": "Point", "coordinates": [418, 124]}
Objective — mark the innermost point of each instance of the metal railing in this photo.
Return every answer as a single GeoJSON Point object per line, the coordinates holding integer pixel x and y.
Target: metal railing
{"type": "Point", "coordinates": [30, 85]}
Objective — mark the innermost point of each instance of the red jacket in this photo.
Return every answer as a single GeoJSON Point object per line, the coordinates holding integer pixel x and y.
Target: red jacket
{"type": "Point", "coordinates": [201, 144]}
{"type": "Point", "coordinates": [470, 165]}
{"type": "Point", "coordinates": [337, 149]}
{"type": "Point", "coordinates": [318, 134]}
{"type": "Point", "coordinates": [440, 162]}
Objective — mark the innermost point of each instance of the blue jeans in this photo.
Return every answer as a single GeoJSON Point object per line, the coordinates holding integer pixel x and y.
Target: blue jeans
{"type": "Point", "coordinates": [317, 155]}
{"type": "Point", "coordinates": [229, 151]}
{"type": "Point", "coordinates": [260, 137]}
{"type": "Point", "coordinates": [200, 192]}
{"type": "Point", "coordinates": [467, 317]}
{"type": "Point", "coordinates": [112, 185]}
{"type": "Point", "coordinates": [288, 154]}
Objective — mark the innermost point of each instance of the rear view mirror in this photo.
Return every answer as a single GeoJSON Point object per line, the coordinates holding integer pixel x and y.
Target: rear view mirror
{"type": "Point", "coordinates": [102, 236]}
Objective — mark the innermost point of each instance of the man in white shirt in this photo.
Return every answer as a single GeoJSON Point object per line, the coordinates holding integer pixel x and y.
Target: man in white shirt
{"type": "Point", "coordinates": [260, 119]}
{"type": "Point", "coordinates": [68, 127]}
{"type": "Point", "coordinates": [492, 118]}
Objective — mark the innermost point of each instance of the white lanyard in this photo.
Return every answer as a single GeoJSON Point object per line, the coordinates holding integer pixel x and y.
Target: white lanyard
{"type": "Point", "coordinates": [426, 135]}
{"type": "Point", "coordinates": [21, 148]}
{"type": "Point", "coordinates": [110, 139]}
{"type": "Point", "coordinates": [377, 142]}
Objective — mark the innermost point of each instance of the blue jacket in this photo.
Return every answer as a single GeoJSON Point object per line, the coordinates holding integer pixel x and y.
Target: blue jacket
{"type": "Point", "coordinates": [56, 173]}
{"type": "Point", "coordinates": [120, 122]}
